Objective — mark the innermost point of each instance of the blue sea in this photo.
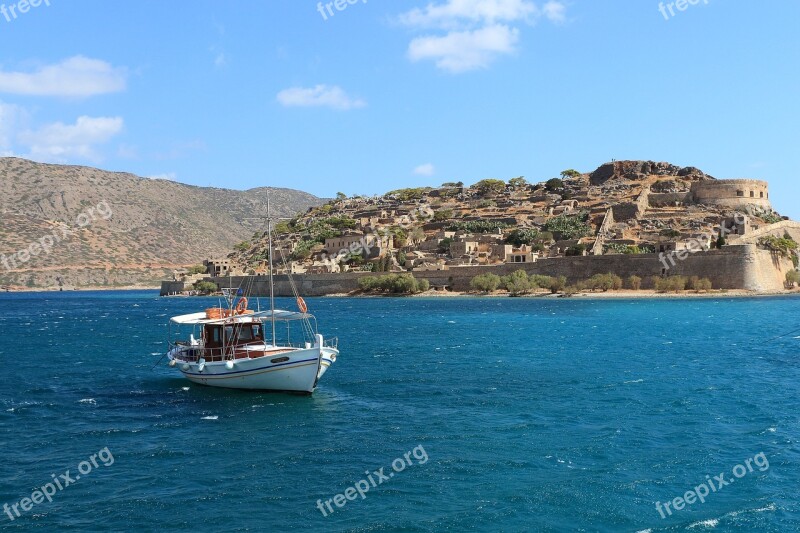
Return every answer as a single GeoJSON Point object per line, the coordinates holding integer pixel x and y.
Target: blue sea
{"type": "Point", "coordinates": [446, 414]}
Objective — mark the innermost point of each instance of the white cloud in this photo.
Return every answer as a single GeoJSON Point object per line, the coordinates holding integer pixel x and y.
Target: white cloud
{"type": "Point", "coordinates": [465, 50]}
{"type": "Point", "coordinates": [11, 119]}
{"type": "Point", "coordinates": [319, 96]}
{"type": "Point", "coordinates": [74, 77]}
{"type": "Point", "coordinates": [454, 13]}
{"type": "Point", "coordinates": [58, 141]}
{"type": "Point", "coordinates": [555, 12]}
{"type": "Point", "coordinates": [425, 170]}
{"type": "Point", "coordinates": [477, 31]}
{"type": "Point", "coordinates": [169, 176]}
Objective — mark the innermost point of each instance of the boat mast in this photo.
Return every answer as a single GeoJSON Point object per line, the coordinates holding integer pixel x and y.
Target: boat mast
{"type": "Point", "coordinates": [271, 281]}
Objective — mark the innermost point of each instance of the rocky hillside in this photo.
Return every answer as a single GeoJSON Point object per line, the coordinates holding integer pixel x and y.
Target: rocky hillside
{"type": "Point", "coordinates": [622, 207]}
{"type": "Point", "coordinates": [99, 228]}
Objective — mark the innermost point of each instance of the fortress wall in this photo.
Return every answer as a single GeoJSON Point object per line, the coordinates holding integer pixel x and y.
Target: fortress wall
{"type": "Point", "coordinates": [768, 270]}
{"type": "Point", "coordinates": [170, 287]}
{"type": "Point", "coordinates": [630, 210]}
{"type": "Point", "coordinates": [725, 193]}
{"type": "Point", "coordinates": [669, 198]}
{"type": "Point", "coordinates": [733, 267]}
{"type": "Point", "coordinates": [777, 230]}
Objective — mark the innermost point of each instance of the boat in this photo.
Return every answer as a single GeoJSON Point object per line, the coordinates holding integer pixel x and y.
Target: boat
{"type": "Point", "coordinates": [234, 347]}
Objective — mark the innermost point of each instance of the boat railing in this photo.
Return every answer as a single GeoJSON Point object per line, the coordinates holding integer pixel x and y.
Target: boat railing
{"type": "Point", "coordinates": [193, 353]}
{"type": "Point", "coordinates": [332, 342]}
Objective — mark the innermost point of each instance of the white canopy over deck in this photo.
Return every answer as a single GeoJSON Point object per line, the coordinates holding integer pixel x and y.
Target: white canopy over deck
{"type": "Point", "coordinates": [194, 319]}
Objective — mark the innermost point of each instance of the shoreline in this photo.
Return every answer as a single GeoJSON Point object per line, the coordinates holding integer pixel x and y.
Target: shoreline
{"type": "Point", "coordinates": [586, 295]}
{"type": "Point", "coordinates": [26, 290]}
{"type": "Point", "coordinates": [646, 294]}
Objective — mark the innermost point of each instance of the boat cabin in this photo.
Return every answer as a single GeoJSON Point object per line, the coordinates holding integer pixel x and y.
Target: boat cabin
{"type": "Point", "coordinates": [239, 334]}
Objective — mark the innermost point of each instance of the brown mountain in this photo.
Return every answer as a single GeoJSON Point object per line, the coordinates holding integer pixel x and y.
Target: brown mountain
{"type": "Point", "coordinates": [81, 226]}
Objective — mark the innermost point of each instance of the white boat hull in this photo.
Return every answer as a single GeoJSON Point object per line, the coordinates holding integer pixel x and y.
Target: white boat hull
{"type": "Point", "coordinates": [286, 371]}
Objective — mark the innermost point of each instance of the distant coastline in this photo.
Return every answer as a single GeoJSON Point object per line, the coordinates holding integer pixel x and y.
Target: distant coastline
{"type": "Point", "coordinates": [19, 290]}
{"type": "Point", "coordinates": [583, 295]}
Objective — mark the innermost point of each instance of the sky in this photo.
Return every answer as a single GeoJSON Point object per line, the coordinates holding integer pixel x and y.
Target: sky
{"type": "Point", "coordinates": [382, 94]}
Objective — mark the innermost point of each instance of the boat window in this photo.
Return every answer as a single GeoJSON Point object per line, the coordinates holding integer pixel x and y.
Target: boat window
{"type": "Point", "coordinates": [246, 334]}
{"type": "Point", "coordinates": [213, 336]}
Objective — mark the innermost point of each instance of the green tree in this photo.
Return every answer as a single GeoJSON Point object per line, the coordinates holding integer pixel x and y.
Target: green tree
{"type": "Point", "coordinates": [442, 215]}
{"type": "Point", "coordinates": [417, 235]}
{"type": "Point", "coordinates": [785, 246]}
{"type": "Point", "coordinates": [554, 185]}
{"type": "Point", "coordinates": [538, 281]}
{"type": "Point", "coordinates": [206, 287]}
{"type": "Point", "coordinates": [393, 283]}
{"type": "Point", "coordinates": [485, 282]}
{"type": "Point", "coordinates": [558, 284]}
{"type": "Point", "coordinates": [341, 196]}
{"type": "Point", "coordinates": [604, 282]}
{"type": "Point", "coordinates": [634, 283]}
{"type": "Point", "coordinates": [569, 226]}
{"type": "Point", "coordinates": [197, 269]}
{"type": "Point", "coordinates": [521, 236]}
{"type": "Point", "coordinates": [570, 173]}
{"type": "Point", "coordinates": [792, 277]}
{"type": "Point", "coordinates": [517, 283]}
{"type": "Point", "coordinates": [517, 183]}
{"type": "Point", "coordinates": [444, 245]}
{"type": "Point", "coordinates": [576, 250]}
{"type": "Point", "coordinates": [400, 237]}
{"type": "Point", "coordinates": [478, 226]}
{"type": "Point", "coordinates": [303, 250]}
{"type": "Point", "coordinates": [282, 228]}
{"type": "Point", "coordinates": [490, 186]}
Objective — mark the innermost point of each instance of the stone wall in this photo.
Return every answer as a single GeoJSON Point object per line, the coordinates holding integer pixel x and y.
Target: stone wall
{"type": "Point", "coordinates": [725, 193]}
{"type": "Point", "coordinates": [776, 230]}
{"type": "Point", "coordinates": [636, 209]}
{"type": "Point", "coordinates": [732, 267]}
{"type": "Point", "coordinates": [668, 199]}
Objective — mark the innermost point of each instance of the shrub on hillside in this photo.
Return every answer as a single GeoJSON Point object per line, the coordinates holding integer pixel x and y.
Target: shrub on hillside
{"type": "Point", "coordinates": [490, 186]}
{"type": "Point", "coordinates": [569, 226]}
{"type": "Point", "coordinates": [197, 269]}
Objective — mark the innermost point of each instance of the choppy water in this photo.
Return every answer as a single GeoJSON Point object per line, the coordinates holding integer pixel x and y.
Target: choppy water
{"type": "Point", "coordinates": [534, 415]}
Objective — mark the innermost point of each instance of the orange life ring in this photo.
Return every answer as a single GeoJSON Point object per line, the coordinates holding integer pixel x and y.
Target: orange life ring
{"type": "Point", "coordinates": [301, 304]}
{"type": "Point", "coordinates": [241, 307]}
